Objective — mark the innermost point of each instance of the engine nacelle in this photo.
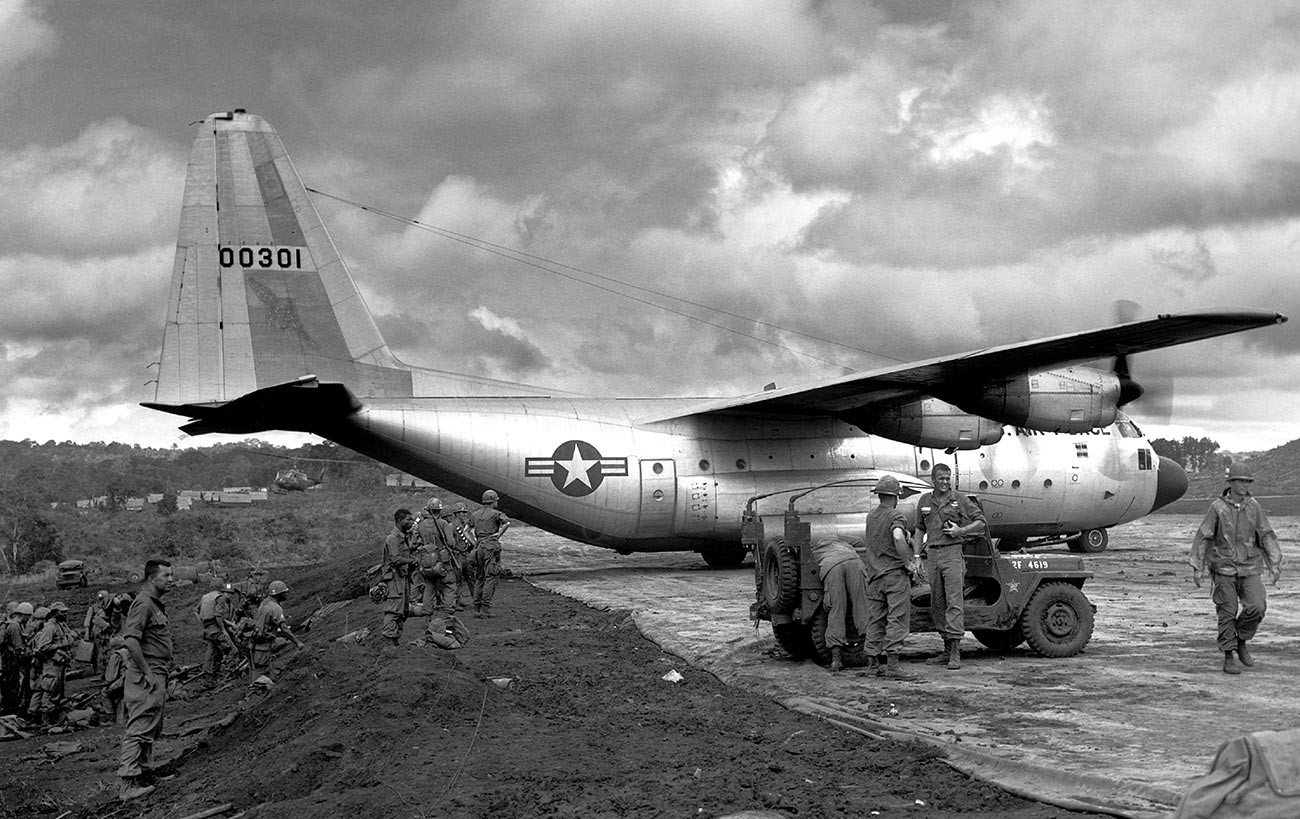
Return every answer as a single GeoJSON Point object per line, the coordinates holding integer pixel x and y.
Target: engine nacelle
{"type": "Point", "coordinates": [1073, 399]}
{"type": "Point", "coordinates": [930, 422]}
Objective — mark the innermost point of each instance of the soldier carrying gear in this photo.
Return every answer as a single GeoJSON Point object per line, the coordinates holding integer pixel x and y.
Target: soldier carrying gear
{"type": "Point", "coordinates": [13, 659]}
{"type": "Point", "coordinates": [54, 646]}
{"type": "Point", "coordinates": [439, 562]}
{"type": "Point", "coordinates": [396, 567]}
{"type": "Point", "coordinates": [214, 610]}
{"type": "Point", "coordinates": [268, 624]}
{"type": "Point", "coordinates": [488, 524]}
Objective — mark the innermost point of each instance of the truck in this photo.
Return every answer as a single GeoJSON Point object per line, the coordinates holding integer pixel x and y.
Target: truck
{"type": "Point", "coordinates": [1010, 598]}
{"type": "Point", "coordinates": [72, 574]}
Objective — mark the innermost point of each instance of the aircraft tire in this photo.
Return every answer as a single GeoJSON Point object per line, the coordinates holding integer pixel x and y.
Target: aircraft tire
{"type": "Point", "coordinates": [780, 576]}
{"type": "Point", "coordinates": [1058, 620]}
{"type": "Point", "coordinates": [725, 558]}
{"type": "Point", "coordinates": [1091, 542]}
{"type": "Point", "coordinates": [795, 638]}
{"type": "Point", "coordinates": [852, 654]}
{"type": "Point", "coordinates": [1000, 639]}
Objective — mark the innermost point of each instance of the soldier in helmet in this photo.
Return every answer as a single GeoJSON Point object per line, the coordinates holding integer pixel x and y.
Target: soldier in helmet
{"type": "Point", "coordinates": [1236, 544]}
{"type": "Point", "coordinates": [268, 624]}
{"type": "Point", "coordinates": [54, 646]}
{"type": "Point", "coordinates": [465, 555]}
{"type": "Point", "coordinates": [890, 565]}
{"type": "Point", "coordinates": [489, 524]}
{"type": "Point", "coordinates": [214, 610]}
{"type": "Point", "coordinates": [96, 628]}
{"type": "Point", "coordinates": [13, 659]}
{"type": "Point", "coordinates": [33, 671]}
{"type": "Point", "coordinates": [439, 566]}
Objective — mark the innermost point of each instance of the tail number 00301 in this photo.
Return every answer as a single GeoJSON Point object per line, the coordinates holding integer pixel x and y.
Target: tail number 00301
{"type": "Point", "coordinates": [261, 257]}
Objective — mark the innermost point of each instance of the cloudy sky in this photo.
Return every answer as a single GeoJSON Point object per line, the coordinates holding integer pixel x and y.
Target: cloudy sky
{"type": "Point", "coordinates": [780, 190]}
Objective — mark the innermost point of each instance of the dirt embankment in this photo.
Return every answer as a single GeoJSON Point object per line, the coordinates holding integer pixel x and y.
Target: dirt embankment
{"type": "Point", "coordinates": [587, 728]}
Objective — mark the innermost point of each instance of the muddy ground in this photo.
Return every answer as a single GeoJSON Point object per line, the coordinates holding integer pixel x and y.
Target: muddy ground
{"type": "Point", "coordinates": [587, 728]}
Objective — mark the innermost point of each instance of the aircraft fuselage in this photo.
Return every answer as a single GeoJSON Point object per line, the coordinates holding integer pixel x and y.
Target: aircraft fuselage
{"type": "Point", "coordinates": [586, 469]}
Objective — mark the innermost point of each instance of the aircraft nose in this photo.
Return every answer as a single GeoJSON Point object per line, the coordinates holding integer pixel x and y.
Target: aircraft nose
{"type": "Point", "coordinates": [1171, 483]}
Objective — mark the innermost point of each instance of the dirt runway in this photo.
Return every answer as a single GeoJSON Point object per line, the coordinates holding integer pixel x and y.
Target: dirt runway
{"type": "Point", "coordinates": [1144, 708]}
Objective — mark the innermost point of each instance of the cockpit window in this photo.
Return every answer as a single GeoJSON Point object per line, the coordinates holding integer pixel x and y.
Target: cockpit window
{"type": "Point", "coordinates": [1126, 428]}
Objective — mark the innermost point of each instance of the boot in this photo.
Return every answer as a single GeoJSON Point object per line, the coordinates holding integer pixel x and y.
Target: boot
{"type": "Point", "coordinates": [874, 666]}
{"type": "Point", "coordinates": [837, 659]}
{"type": "Point", "coordinates": [942, 659]}
{"type": "Point", "coordinates": [893, 670]}
{"type": "Point", "coordinates": [954, 656]}
{"type": "Point", "coordinates": [1243, 654]}
{"type": "Point", "coordinates": [131, 788]}
{"type": "Point", "coordinates": [1230, 664]}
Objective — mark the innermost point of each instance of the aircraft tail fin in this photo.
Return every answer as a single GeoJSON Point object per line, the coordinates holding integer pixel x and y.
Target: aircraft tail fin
{"type": "Point", "coordinates": [259, 295]}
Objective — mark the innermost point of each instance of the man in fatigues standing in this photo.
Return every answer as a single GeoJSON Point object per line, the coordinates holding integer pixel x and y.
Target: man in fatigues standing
{"type": "Point", "coordinates": [1236, 544]}
{"type": "Point", "coordinates": [489, 524]}
{"type": "Point", "coordinates": [944, 520]}
{"type": "Point", "coordinates": [214, 610]}
{"type": "Point", "coordinates": [13, 659]}
{"type": "Point", "coordinates": [148, 640]}
{"type": "Point", "coordinates": [54, 647]}
{"type": "Point", "coordinates": [890, 565]}
{"type": "Point", "coordinates": [465, 555]}
{"type": "Point", "coordinates": [438, 562]}
{"type": "Point", "coordinates": [396, 569]}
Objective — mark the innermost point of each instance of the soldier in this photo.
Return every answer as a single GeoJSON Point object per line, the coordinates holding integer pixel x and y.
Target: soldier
{"type": "Point", "coordinates": [13, 659]}
{"type": "Point", "coordinates": [489, 525]}
{"type": "Point", "coordinates": [115, 665]}
{"type": "Point", "coordinates": [54, 646]}
{"type": "Point", "coordinates": [438, 563]}
{"type": "Point", "coordinates": [395, 570]}
{"type": "Point", "coordinates": [268, 624]}
{"type": "Point", "coordinates": [1236, 544]}
{"type": "Point", "coordinates": [890, 564]}
{"type": "Point", "coordinates": [844, 584]}
{"type": "Point", "coordinates": [465, 555]}
{"type": "Point", "coordinates": [944, 519]}
{"type": "Point", "coordinates": [148, 641]}
{"type": "Point", "coordinates": [95, 628]}
{"type": "Point", "coordinates": [34, 662]}
{"type": "Point", "coordinates": [214, 610]}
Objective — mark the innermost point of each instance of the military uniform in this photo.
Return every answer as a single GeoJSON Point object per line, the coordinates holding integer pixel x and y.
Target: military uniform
{"type": "Point", "coordinates": [488, 524]}
{"type": "Point", "coordinates": [215, 608]}
{"type": "Point", "coordinates": [889, 589]}
{"type": "Point", "coordinates": [844, 584]}
{"type": "Point", "coordinates": [13, 662]}
{"type": "Point", "coordinates": [465, 555]}
{"type": "Point", "coordinates": [54, 646]}
{"type": "Point", "coordinates": [439, 565]}
{"type": "Point", "coordinates": [396, 570]}
{"type": "Point", "coordinates": [145, 701]}
{"type": "Point", "coordinates": [1236, 543]}
{"type": "Point", "coordinates": [268, 624]}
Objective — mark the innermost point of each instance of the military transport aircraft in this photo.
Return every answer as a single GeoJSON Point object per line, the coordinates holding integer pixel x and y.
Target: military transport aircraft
{"type": "Point", "coordinates": [266, 330]}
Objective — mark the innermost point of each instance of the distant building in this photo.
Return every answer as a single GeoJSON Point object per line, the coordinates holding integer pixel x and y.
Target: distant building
{"type": "Point", "coordinates": [401, 480]}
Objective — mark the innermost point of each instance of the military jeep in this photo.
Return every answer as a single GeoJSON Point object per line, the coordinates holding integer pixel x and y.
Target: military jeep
{"type": "Point", "coordinates": [1010, 599]}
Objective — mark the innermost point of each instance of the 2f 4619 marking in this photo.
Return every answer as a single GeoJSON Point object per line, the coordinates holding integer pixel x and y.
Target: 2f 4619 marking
{"type": "Point", "coordinates": [261, 257]}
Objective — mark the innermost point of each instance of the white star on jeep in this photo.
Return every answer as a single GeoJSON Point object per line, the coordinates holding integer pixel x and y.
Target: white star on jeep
{"type": "Point", "coordinates": [576, 466]}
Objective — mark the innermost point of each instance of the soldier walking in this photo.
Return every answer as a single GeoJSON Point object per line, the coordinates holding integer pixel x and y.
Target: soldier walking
{"type": "Point", "coordinates": [489, 524]}
{"type": "Point", "coordinates": [1236, 543]}
{"type": "Point", "coordinates": [148, 640]}
{"type": "Point", "coordinates": [214, 610]}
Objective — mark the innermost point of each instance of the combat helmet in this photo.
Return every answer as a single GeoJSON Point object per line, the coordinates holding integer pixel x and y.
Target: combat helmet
{"type": "Point", "coordinates": [277, 587]}
{"type": "Point", "coordinates": [888, 485]}
{"type": "Point", "coordinates": [433, 505]}
{"type": "Point", "coordinates": [1238, 471]}
{"type": "Point", "coordinates": [58, 606]}
{"type": "Point", "coordinates": [24, 608]}
{"type": "Point", "coordinates": [41, 613]}
{"type": "Point", "coordinates": [490, 496]}
{"type": "Point", "coordinates": [460, 507]}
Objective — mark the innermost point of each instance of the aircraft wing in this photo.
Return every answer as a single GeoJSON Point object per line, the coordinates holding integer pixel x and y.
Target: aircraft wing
{"type": "Point", "coordinates": [920, 379]}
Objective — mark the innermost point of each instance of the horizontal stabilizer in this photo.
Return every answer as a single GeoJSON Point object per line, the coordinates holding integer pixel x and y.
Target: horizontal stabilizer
{"type": "Point", "coordinates": [302, 405]}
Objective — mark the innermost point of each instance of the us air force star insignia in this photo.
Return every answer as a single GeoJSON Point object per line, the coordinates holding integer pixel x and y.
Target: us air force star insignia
{"type": "Point", "coordinates": [1013, 587]}
{"type": "Point", "coordinates": [576, 468]}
